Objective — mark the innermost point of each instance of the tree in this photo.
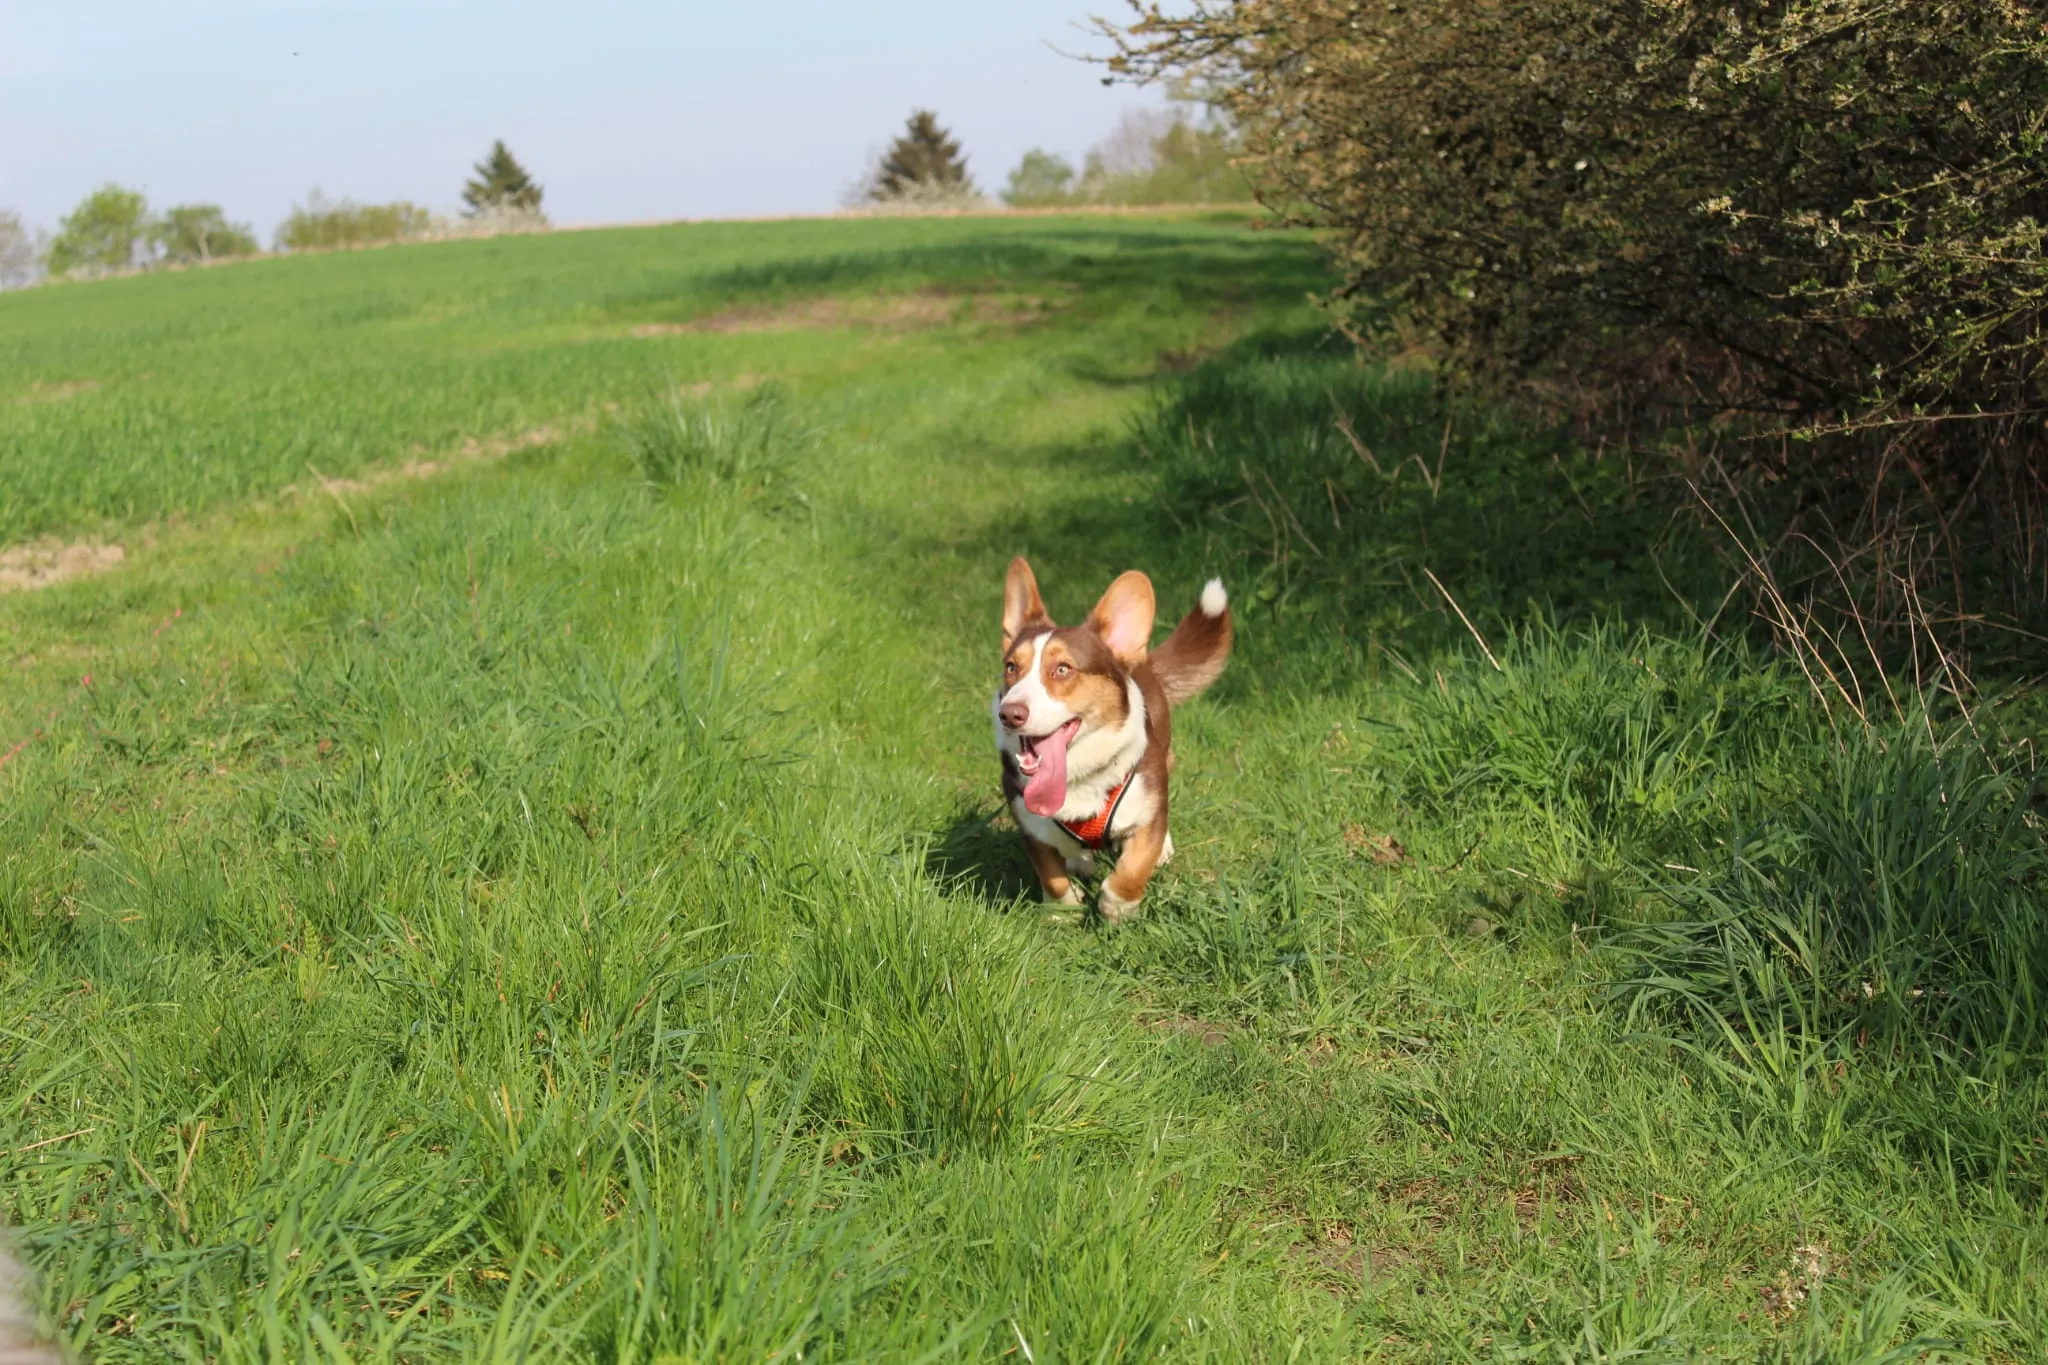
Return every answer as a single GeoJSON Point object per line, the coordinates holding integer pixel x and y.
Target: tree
{"type": "Point", "coordinates": [105, 232]}
{"type": "Point", "coordinates": [925, 157]}
{"type": "Point", "coordinates": [200, 232]}
{"type": "Point", "coordinates": [501, 185]}
{"type": "Point", "coordinates": [1040, 178]}
{"type": "Point", "coordinates": [19, 263]}
{"type": "Point", "coordinates": [1159, 156]}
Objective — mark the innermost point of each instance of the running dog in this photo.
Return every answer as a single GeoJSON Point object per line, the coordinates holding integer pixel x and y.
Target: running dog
{"type": "Point", "coordinates": [1084, 724]}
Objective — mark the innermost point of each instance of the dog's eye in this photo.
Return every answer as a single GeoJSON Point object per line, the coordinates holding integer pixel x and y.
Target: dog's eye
{"type": "Point", "coordinates": [1063, 670]}
{"type": "Point", "coordinates": [1010, 669]}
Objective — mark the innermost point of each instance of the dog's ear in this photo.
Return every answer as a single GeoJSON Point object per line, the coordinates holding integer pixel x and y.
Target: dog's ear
{"type": "Point", "coordinates": [1021, 604]}
{"type": "Point", "coordinates": [1123, 618]}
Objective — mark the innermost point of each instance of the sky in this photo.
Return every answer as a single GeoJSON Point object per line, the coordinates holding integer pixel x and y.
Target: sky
{"type": "Point", "coordinates": [624, 112]}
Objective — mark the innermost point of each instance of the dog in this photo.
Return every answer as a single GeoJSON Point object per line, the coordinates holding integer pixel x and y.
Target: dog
{"type": "Point", "coordinates": [1084, 725]}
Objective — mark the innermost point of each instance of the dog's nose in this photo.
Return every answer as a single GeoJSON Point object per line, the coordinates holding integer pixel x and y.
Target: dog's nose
{"type": "Point", "coordinates": [1015, 713]}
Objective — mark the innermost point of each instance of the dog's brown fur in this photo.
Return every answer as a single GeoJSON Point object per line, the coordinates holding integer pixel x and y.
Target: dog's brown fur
{"type": "Point", "coordinates": [1101, 672]}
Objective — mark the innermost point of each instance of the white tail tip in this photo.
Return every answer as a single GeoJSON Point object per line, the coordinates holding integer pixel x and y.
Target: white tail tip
{"type": "Point", "coordinates": [1214, 599]}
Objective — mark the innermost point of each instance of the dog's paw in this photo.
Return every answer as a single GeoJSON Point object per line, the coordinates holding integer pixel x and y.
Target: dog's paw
{"type": "Point", "coordinates": [1115, 908]}
{"type": "Point", "coordinates": [1063, 911]}
{"type": "Point", "coordinates": [1166, 852]}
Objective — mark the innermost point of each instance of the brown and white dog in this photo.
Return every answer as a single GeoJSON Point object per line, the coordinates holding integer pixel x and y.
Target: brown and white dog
{"type": "Point", "coordinates": [1084, 723]}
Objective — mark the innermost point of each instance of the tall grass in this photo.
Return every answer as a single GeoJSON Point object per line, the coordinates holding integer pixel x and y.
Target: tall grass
{"type": "Point", "coordinates": [489, 1020]}
{"type": "Point", "coordinates": [1834, 931]}
{"type": "Point", "coordinates": [679, 435]}
{"type": "Point", "coordinates": [1890, 916]}
{"type": "Point", "coordinates": [556, 909]}
{"type": "Point", "coordinates": [173, 397]}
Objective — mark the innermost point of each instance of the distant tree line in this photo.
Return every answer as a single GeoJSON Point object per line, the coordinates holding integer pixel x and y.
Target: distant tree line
{"type": "Point", "coordinates": [1155, 156]}
{"type": "Point", "coordinates": [1158, 156]}
{"type": "Point", "coordinates": [114, 229]}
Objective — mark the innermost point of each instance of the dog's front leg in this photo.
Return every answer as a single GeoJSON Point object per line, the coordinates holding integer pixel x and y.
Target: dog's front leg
{"type": "Point", "coordinates": [1052, 873]}
{"type": "Point", "coordinates": [1135, 862]}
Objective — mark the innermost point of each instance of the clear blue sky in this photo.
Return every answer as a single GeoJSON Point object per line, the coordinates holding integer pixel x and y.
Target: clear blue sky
{"type": "Point", "coordinates": [623, 111]}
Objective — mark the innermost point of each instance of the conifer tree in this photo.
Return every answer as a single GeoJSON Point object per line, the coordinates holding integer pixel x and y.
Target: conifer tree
{"type": "Point", "coordinates": [925, 156]}
{"type": "Point", "coordinates": [501, 184]}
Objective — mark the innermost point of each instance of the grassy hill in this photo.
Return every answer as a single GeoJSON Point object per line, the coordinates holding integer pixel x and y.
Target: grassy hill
{"type": "Point", "coordinates": [509, 866]}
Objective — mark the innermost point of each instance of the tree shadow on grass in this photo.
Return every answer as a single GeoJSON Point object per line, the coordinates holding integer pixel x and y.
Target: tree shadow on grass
{"type": "Point", "coordinates": [1361, 527]}
{"type": "Point", "coordinates": [1348, 507]}
{"type": "Point", "coordinates": [1195, 266]}
{"type": "Point", "coordinates": [1171, 368]}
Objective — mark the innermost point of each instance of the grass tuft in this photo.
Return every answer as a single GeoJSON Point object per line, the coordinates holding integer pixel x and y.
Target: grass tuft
{"type": "Point", "coordinates": [679, 436]}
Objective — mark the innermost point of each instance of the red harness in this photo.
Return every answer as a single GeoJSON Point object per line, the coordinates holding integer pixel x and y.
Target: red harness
{"type": "Point", "coordinates": [1093, 833]}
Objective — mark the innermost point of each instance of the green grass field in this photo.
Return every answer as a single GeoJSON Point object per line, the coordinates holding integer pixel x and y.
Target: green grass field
{"type": "Point", "coordinates": [510, 867]}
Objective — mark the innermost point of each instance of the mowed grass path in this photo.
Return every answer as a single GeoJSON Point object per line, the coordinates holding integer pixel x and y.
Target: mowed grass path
{"type": "Point", "coordinates": [556, 908]}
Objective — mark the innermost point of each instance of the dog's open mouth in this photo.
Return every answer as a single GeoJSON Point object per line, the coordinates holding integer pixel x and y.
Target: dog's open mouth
{"type": "Point", "coordinates": [1043, 761]}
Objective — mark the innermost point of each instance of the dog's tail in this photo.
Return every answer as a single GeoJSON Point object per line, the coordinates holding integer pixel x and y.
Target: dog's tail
{"type": "Point", "coordinates": [1191, 658]}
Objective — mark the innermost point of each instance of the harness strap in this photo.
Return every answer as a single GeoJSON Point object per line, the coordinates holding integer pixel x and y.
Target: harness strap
{"type": "Point", "coordinates": [1093, 833]}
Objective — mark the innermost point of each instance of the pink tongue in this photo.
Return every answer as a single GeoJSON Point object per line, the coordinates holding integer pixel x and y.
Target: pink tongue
{"type": "Point", "coordinates": [1045, 791]}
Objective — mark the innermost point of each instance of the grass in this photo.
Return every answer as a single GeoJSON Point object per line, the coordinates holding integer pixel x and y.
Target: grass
{"type": "Point", "coordinates": [557, 908]}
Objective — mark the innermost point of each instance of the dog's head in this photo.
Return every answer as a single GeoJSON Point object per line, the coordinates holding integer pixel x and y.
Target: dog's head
{"type": "Point", "coordinates": [1062, 685]}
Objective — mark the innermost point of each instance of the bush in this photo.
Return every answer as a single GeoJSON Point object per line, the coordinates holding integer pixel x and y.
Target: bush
{"type": "Point", "coordinates": [321, 223]}
{"type": "Point", "coordinates": [1824, 214]}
